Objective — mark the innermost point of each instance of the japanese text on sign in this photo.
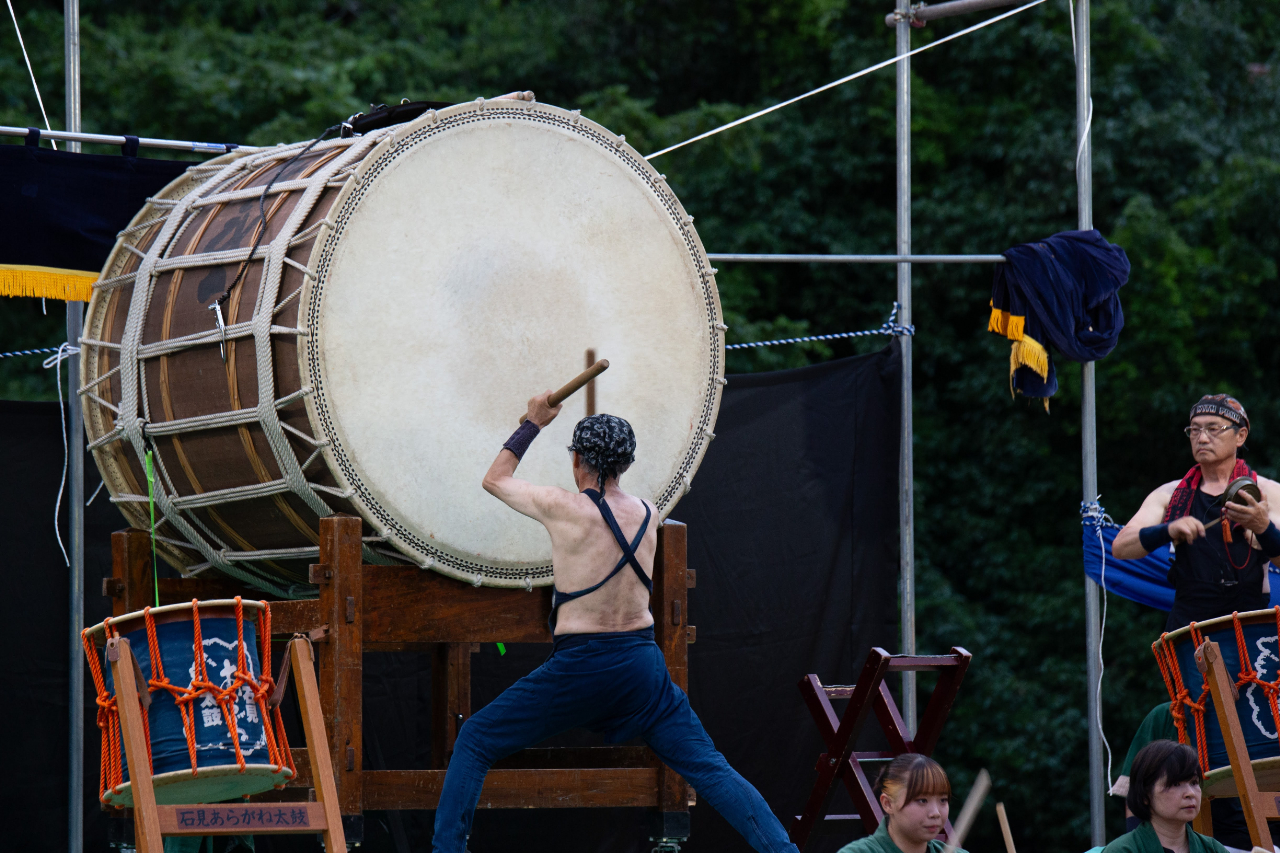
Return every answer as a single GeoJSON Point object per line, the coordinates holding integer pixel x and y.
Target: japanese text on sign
{"type": "Point", "coordinates": [242, 817]}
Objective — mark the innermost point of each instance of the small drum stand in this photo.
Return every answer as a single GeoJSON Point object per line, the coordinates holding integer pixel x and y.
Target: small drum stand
{"type": "Point", "coordinates": [841, 761]}
{"type": "Point", "coordinates": [368, 608]}
{"type": "Point", "coordinates": [153, 822]}
{"type": "Point", "coordinates": [1259, 806]}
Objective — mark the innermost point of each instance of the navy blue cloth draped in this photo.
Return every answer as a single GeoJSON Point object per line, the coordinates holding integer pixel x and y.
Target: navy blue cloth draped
{"type": "Point", "coordinates": [1144, 581]}
{"type": "Point", "coordinates": [1060, 292]}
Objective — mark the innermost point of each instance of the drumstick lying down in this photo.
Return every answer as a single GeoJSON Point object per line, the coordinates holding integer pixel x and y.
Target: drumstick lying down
{"type": "Point", "coordinates": [1004, 828]}
{"type": "Point", "coordinates": [558, 397]}
{"type": "Point", "coordinates": [972, 803]}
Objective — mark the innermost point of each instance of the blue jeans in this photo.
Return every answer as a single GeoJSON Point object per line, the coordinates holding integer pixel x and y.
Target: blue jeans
{"type": "Point", "coordinates": [620, 687]}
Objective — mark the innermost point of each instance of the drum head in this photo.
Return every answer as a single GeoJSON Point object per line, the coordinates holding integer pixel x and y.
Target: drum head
{"type": "Point", "coordinates": [478, 256]}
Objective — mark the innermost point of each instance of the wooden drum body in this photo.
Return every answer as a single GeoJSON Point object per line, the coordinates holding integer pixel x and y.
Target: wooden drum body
{"type": "Point", "coordinates": [1248, 642]}
{"type": "Point", "coordinates": [413, 287]}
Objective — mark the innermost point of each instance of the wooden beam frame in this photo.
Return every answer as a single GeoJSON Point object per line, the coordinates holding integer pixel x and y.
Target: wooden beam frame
{"type": "Point", "coordinates": [1259, 806]}
{"type": "Point", "coordinates": [367, 608]}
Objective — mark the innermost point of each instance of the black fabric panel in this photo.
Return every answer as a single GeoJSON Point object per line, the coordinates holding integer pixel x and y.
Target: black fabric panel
{"type": "Point", "coordinates": [35, 626]}
{"type": "Point", "coordinates": [792, 531]}
{"type": "Point", "coordinates": [63, 210]}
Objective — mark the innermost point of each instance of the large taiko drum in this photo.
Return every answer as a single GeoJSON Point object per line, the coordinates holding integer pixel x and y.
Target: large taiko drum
{"type": "Point", "coordinates": [1248, 642]}
{"type": "Point", "coordinates": [413, 287]}
{"type": "Point", "coordinates": [214, 735]}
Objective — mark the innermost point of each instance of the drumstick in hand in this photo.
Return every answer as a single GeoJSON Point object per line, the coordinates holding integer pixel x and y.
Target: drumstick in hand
{"type": "Point", "coordinates": [1004, 828]}
{"type": "Point", "coordinates": [574, 384]}
{"type": "Point", "coordinates": [972, 803]}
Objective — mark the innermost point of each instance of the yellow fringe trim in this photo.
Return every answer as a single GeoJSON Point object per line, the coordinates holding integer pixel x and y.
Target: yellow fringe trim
{"type": "Point", "coordinates": [46, 282]}
{"type": "Point", "coordinates": [1029, 353]}
{"type": "Point", "coordinates": [1004, 323]}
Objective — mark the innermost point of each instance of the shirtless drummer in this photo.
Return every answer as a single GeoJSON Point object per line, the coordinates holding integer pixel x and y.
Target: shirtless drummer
{"type": "Point", "coordinates": [605, 672]}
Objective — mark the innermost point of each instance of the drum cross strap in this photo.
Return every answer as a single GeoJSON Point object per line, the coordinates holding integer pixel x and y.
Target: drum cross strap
{"type": "Point", "coordinates": [1180, 697]}
{"type": "Point", "coordinates": [262, 687]}
{"type": "Point", "coordinates": [628, 556]}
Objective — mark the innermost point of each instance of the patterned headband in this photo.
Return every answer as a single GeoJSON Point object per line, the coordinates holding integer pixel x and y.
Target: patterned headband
{"type": "Point", "coordinates": [1222, 405]}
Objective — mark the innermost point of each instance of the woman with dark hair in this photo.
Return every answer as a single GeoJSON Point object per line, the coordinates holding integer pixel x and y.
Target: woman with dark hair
{"type": "Point", "coordinates": [1164, 793]}
{"type": "Point", "coordinates": [914, 794]}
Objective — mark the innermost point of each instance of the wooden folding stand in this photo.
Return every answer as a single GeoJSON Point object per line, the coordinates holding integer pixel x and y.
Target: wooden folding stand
{"type": "Point", "coordinates": [840, 734]}
{"type": "Point", "coordinates": [367, 608]}
{"type": "Point", "coordinates": [152, 822]}
{"type": "Point", "coordinates": [1259, 806]}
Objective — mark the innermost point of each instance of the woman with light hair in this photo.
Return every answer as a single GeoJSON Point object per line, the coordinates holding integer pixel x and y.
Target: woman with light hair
{"type": "Point", "coordinates": [915, 795]}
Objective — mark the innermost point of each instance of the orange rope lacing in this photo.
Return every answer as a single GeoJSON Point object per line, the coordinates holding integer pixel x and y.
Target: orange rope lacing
{"type": "Point", "coordinates": [1180, 697]}
{"type": "Point", "coordinates": [184, 698]}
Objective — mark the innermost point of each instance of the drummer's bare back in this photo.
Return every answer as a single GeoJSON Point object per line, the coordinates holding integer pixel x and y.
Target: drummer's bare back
{"type": "Point", "coordinates": [583, 550]}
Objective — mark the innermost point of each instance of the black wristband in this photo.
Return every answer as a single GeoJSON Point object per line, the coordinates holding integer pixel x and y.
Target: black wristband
{"type": "Point", "coordinates": [1269, 541]}
{"type": "Point", "coordinates": [1156, 536]}
{"type": "Point", "coordinates": [522, 438]}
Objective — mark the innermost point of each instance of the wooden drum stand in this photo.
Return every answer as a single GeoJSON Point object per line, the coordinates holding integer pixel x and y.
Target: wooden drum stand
{"type": "Point", "coordinates": [366, 608]}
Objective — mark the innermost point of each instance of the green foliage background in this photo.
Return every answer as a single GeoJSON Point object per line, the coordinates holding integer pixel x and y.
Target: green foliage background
{"type": "Point", "coordinates": [1187, 179]}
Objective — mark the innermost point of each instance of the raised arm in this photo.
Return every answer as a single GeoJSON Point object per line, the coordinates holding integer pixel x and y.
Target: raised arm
{"type": "Point", "coordinates": [521, 495]}
{"type": "Point", "coordinates": [1128, 544]}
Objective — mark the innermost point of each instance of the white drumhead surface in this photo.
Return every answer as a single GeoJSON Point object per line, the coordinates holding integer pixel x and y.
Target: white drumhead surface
{"type": "Point", "coordinates": [473, 268]}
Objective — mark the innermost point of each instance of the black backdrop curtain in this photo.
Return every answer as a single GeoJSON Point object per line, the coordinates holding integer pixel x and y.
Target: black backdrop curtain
{"type": "Point", "coordinates": [792, 531]}
{"type": "Point", "coordinates": [63, 210]}
{"type": "Point", "coordinates": [35, 629]}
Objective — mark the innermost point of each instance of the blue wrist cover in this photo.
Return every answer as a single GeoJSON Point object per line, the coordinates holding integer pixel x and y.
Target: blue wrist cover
{"type": "Point", "coordinates": [1269, 541]}
{"type": "Point", "coordinates": [522, 438]}
{"type": "Point", "coordinates": [1156, 536]}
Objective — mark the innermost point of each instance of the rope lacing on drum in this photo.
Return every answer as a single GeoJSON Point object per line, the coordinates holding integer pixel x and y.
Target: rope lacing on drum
{"type": "Point", "coordinates": [216, 305]}
{"type": "Point", "coordinates": [1180, 697]}
{"type": "Point", "coordinates": [132, 416]}
{"type": "Point", "coordinates": [260, 688]}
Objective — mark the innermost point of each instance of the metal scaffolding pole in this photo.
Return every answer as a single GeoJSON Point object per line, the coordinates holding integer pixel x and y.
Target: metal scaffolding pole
{"type": "Point", "coordinates": [859, 259]}
{"type": "Point", "coordinates": [75, 474]}
{"type": "Point", "coordinates": [906, 514]}
{"type": "Point", "coordinates": [925, 12]}
{"type": "Point", "coordinates": [1089, 432]}
{"type": "Point", "coordinates": [74, 138]}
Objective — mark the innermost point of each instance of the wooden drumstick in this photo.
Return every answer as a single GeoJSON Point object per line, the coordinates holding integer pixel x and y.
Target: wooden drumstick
{"type": "Point", "coordinates": [1004, 828]}
{"type": "Point", "coordinates": [558, 397]}
{"type": "Point", "coordinates": [972, 803]}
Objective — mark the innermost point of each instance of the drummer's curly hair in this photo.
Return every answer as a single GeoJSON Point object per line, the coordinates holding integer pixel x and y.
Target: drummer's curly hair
{"type": "Point", "coordinates": [606, 444]}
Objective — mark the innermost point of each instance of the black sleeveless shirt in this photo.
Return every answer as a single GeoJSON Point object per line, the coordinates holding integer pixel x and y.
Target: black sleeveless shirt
{"type": "Point", "coordinates": [1204, 576]}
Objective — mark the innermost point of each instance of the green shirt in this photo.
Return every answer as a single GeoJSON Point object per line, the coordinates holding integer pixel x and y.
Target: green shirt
{"type": "Point", "coordinates": [1144, 840]}
{"type": "Point", "coordinates": [880, 842]}
{"type": "Point", "coordinates": [1157, 725]}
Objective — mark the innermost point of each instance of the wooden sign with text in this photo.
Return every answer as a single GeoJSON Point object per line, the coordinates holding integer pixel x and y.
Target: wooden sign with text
{"type": "Point", "coordinates": [241, 819]}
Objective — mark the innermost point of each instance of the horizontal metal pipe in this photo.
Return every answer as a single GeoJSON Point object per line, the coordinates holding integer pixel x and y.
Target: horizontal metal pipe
{"type": "Point", "coordinates": [860, 259]}
{"type": "Point", "coordinates": [924, 12]}
{"type": "Point", "coordinates": [107, 139]}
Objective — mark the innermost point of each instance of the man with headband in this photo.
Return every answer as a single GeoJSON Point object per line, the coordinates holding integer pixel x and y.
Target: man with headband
{"type": "Point", "coordinates": [1211, 576]}
{"type": "Point", "coordinates": [605, 672]}
{"type": "Point", "coordinates": [1221, 548]}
